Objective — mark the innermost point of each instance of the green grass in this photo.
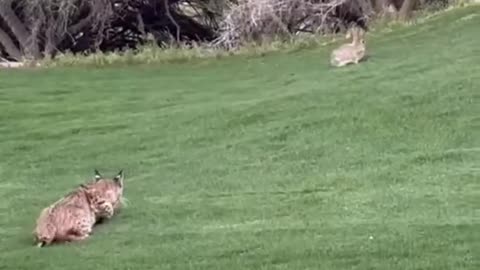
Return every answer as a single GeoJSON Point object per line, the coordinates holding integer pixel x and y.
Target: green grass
{"type": "Point", "coordinates": [277, 162]}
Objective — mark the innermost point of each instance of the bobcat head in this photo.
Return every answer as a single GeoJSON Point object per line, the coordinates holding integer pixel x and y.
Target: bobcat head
{"type": "Point", "coordinates": [111, 189]}
{"type": "Point", "coordinates": [105, 195]}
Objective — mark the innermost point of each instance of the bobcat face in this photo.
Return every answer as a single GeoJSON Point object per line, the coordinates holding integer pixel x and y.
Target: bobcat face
{"type": "Point", "coordinates": [110, 190]}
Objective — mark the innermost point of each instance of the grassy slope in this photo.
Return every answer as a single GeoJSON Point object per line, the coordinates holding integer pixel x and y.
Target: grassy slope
{"type": "Point", "coordinates": [270, 163]}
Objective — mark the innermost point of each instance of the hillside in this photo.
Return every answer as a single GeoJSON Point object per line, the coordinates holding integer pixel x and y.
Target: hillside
{"type": "Point", "coordinates": [277, 162]}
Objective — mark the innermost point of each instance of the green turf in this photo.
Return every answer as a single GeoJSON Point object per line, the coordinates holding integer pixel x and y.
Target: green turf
{"type": "Point", "coordinates": [277, 162]}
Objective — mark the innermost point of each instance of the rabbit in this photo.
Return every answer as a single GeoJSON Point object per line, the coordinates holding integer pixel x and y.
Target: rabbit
{"type": "Point", "coordinates": [351, 52]}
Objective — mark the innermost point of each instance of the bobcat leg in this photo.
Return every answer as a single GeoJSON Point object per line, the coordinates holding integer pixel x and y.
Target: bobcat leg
{"type": "Point", "coordinates": [78, 234]}
{"type": "Point", "coordinates": [75, 237]}
{"type": "Point", "coordinates": [82, 230]}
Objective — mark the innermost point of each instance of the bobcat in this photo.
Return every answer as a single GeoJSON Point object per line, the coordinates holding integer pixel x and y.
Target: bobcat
{"type": "Point", "coordinates": [72, 218]}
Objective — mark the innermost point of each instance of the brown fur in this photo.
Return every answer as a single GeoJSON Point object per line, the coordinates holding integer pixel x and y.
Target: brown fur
{"type": "Point", "coordinates": [72, 218]}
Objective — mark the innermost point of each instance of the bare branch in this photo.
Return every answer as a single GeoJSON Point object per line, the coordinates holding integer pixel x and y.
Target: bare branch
{"type": "Point", "coordinates": [169, 15]}
{"type": "Point", "coordinates": [141, 25]}
{"type": "Point", "coordinates": [9, 46]}
{"type": "Point", "coordinates": [406, 9]}
{"type": "Point", "coordinates": [18, 29]}
{"type": "Point", "coordinates": [257, 20]}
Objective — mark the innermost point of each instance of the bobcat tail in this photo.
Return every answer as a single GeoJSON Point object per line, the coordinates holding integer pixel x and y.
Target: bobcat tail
{"type": "Point", "coordinates": [45, 237]}
{"type": "Point", "coordinates": [45, 231]}
{"type": "Point", "coordinates": [41, 244]}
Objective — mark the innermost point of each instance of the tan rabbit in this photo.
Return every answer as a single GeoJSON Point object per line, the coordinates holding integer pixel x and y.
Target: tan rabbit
{"type": "Point", "coordinates": [351, 52]}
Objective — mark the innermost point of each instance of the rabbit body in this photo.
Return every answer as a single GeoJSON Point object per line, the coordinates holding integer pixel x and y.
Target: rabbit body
{"type": "Point", "coordinates": [351, 52]}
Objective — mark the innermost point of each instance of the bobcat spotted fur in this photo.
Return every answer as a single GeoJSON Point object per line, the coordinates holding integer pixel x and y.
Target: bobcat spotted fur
{"type": "Point", "coordinates": [72, 217]}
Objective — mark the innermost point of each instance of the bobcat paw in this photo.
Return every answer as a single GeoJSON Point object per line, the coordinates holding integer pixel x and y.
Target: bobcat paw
{"type": "Point", "coordinates": [107, 210]}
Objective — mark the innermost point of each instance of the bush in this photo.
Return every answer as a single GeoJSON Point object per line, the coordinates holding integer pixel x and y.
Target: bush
{"type": "Point", "coordinates": [264, 20]}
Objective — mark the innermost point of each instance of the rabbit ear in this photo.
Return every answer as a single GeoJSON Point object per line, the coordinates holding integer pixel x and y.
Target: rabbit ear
{"type": "Point", "coordinates": [354, 35]}
{"type": "Point", "coordinates": [348, 35]}
{"type": "Point", "coordinates": [361, 33]}
{"type": "Point", "coordinates": [350, 31]}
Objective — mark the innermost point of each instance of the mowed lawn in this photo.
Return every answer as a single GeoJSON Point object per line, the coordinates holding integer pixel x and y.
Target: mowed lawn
{"type": "Point", "coordinates": [277, 162]}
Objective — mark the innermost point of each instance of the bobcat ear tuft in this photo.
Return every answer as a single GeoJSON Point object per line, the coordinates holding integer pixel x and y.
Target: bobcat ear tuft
{"type": "Point", "coordinates": [98, 176]}
{"type": "Point", "coordinates": [119, 178]}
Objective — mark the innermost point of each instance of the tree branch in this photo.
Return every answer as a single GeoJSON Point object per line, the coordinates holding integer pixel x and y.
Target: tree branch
{"type": "Point", "coordinates": [406, 9]}
{"type": "Point", "coordinates": [9, 46]}
{"type": "Point", "coordinates": [169, 15]}
{"type": "Point", "coordinates": [73, 29]}
{"type": "Point", "coordinates": [18, 29]}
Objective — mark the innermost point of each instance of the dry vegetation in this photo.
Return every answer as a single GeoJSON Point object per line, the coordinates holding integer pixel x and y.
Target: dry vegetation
{"type": "Point", "coordinates": [49, 29]}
